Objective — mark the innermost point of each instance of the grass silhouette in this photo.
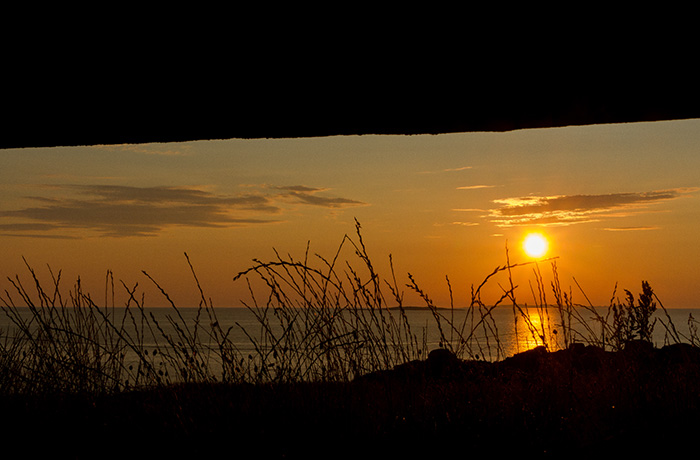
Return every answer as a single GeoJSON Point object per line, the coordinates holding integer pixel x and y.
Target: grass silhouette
{"type": "Point", "coordinates": [336, 364]}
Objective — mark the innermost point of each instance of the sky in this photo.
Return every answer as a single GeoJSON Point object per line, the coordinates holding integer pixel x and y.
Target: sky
{"type": "Point", "coordinates": [618, 204]}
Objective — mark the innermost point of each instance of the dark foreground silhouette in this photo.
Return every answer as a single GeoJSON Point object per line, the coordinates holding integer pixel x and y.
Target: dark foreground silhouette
{"type": "Point", "coordinates": [577, 402]}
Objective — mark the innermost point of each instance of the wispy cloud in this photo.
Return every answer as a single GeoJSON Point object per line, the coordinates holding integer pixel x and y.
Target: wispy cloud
{"type": "Point", "coordinates": [474, 187]}
{"type": "Point", "coordinates": [461, 168]}
{"type": "Point", "coordinates": [111, 210]}
{"type": "Point", "coordinates": [32, 230]}
{"type": "Point", "coordinates": [575, 209]}
{"type": "Point", "coordinates": [308, 195]}
{"type": "Point", "coordinates": [630, 229]}
{"type": "Point", "coordinates": [168, 149]}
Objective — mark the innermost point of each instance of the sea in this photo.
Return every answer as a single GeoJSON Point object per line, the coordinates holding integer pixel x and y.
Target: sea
{"type": "Point", "coordinates": [491, 333]}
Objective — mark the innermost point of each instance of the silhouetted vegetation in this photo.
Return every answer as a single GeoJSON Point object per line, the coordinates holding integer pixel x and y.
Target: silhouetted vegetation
{"type": "Point", "coordinates": [335, 362]}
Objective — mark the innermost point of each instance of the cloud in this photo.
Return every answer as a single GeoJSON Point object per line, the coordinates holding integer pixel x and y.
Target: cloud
{"type": "Point", "coordinates": [575, 209]}
{"type": "Point", "coordinates": [474, 187]}
{"type": "Point", "coordinates": [462, 168]}
{"type": "Point", "coordinates": [629, 229]}
{"type": "Point", "coordinates": [307, 195]}
{"type": "Point", "coordinates": [176, 149]}
{"type": "Point", "coordinates": [27, 227]}
{"type": "Point", "coordinates": [299, 188]}
{"type": "Point", "coordinates": [111, 210]}
{"type": "Point", "coordinates": [31, 230]}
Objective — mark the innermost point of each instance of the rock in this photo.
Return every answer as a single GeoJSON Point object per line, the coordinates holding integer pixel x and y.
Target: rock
{"type": "Point", "coordinates": [581, 357]}
{"type": "Point", "coordinates": [442, 363]}
{"type": "Point", "coordinates": [680, 353]}
{"type": "Point", "coordinates": [638, 348]}
{"type": "Point", "coordinates": [527, 360]}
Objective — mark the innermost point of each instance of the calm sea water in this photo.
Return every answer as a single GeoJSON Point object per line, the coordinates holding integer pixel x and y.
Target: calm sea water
{"type": "Point", "coordinates": [504, 332]}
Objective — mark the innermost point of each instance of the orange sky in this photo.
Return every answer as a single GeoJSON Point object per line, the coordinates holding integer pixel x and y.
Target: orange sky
{"type": "Point", "coordinates": [619, 203]}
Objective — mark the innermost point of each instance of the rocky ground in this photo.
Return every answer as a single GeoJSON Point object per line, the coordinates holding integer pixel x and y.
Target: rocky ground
{"type": "Point", "coordinates": [577, 402]}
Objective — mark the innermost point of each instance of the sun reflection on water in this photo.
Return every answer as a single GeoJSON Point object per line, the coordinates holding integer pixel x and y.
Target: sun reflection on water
{"type": "Point", "coordinates": [532, 327]}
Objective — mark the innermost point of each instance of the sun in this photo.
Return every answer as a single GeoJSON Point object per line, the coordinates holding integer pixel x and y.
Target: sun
{"type": "Point", "coordinates": [535, 245]}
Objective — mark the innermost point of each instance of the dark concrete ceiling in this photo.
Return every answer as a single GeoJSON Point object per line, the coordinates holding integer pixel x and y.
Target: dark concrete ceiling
{"type": "Point", "coordinates": [81, 106]}
{"type": "Point", "coordinates": [153, 79]}
{"type": "Point", "coordinates": [66, 120]}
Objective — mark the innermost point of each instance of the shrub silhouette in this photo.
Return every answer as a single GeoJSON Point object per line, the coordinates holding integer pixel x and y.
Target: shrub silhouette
{"type": "Point", "coordinates": [633, 322]}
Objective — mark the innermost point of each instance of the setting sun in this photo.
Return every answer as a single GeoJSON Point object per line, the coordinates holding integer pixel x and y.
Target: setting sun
{"type": "Point", "coordinates": [535, 245]}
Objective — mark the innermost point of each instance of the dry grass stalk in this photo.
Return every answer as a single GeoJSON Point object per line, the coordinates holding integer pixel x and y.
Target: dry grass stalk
{"type": "Point", "coordinates": [327, 323]}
